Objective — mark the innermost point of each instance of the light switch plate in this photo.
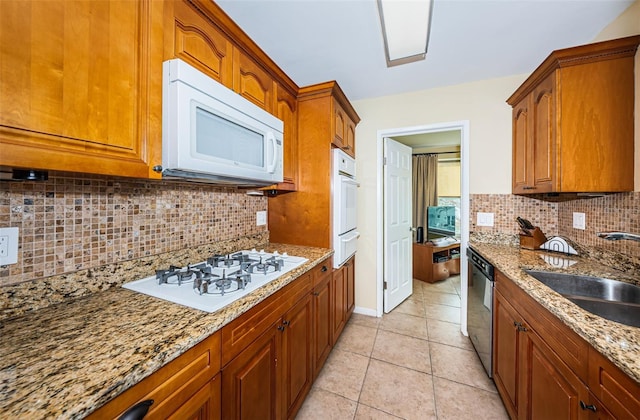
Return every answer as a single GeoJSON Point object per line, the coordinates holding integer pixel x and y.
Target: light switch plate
{"type": "Point", "coordinates": [8, 245]}
{"type": "Point", "coordinates": [579, 221]}
{"type": "Point", "coordinates": [261, 218]}
{"type": "Point", "coordinates": [484, 219]}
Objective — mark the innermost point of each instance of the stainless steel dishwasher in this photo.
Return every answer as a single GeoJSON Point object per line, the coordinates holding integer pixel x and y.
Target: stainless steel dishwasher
{"type": "Point", "coordinates": [480, 307]}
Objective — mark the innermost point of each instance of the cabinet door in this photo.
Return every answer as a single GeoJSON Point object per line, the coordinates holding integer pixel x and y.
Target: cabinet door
{"type": "Point", "coordinates": [81, 86]}
{"type": "Point", "coordinates": [521, 153]}
{"type": "Point", "coordinates": [548, 389]}
{"type": "Point", "coordinates": [297, 354]}
{"type": "Point", "coordinates": [543, 125]}
{"type": "Point", "coordinates": [350, 266]}
{"type": "Point", "coordinates": [322, 325]}
{"type": "Point", "coordinates": [192, 38]}
{"type": "Point", "coordinates": [288, 112]}
{"type": "Point", "coordinates": [339, 302]}
{"type": "Point", "coordinates": [350, 140]}
{"type": "Point", "coordinates": [619, 393]}
{"type": "Point", "coordinates": [251, 381]}
{"type": "Point", "coordinates": [252, 82]}
{"type": "Point", "coordinates": [339, 126]}
{"type": "Point", "coordinates": [505, 352]}
{"type": "Point", "coordinates": [204, 405]}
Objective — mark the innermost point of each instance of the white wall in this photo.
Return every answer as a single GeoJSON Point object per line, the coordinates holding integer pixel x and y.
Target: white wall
{"type": "Point", "coordinates": [481, 103]}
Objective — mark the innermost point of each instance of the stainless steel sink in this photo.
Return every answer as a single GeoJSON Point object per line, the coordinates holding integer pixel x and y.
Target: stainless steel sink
{"type": "Point", "coordinates": [610, 299]}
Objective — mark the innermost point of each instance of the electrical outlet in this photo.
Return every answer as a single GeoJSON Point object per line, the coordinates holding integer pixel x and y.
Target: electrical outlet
{"type": "Point", "coordinates": [579, 221]}
{"type": "Point", "coordinates": [484, 219]}
{"type": "Point", "coordinates": [261, 218]}
{"type": "Point", "coordinates": [8, 245]}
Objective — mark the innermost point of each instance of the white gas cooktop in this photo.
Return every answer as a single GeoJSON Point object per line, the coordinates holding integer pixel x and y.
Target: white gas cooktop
{"type": "Point", "coordinates": [217, 282]}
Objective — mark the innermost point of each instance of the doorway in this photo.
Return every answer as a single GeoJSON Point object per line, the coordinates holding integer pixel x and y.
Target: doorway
{"type": "Point", "coordinates": [461, 127]}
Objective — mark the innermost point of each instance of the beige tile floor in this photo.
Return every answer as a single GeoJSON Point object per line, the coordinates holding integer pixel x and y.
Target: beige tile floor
{"type": "Point", "coordinates": [412, 363]}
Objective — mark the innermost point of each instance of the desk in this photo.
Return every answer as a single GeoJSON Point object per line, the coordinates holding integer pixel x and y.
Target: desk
{"type": "Point", "coordinates": [424, 267]}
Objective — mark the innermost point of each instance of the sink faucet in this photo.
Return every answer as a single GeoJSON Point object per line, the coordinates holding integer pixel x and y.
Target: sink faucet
{"type": "Point", "coordinates": [615, 236]}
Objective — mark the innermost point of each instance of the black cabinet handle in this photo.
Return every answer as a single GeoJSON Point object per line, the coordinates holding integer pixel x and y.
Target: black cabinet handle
{"type": "Point", "coordinates": [138, 411]}
{"type": "Point", "coordinates": [324, 268]}
{"type": "Point", "coordinates": [316, 294]}
{"type": "Point", "coordinates": [286, 322]}
{"type": "Point", "coordinates": [280, 328]}
{"type": "Point", "coordinates": [587, 407]}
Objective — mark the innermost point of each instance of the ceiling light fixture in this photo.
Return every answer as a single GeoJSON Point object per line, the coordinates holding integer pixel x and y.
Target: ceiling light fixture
{"type": "Point", "coordinates": [405, 29]}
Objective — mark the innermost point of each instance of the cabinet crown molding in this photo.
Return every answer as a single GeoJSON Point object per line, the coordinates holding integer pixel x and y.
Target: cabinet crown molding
{"type": "Point", "coordinates": [599, 51]}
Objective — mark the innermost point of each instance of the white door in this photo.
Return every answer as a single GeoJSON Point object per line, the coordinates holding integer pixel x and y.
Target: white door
{"type": "Point", "coordinates": [398, 240]}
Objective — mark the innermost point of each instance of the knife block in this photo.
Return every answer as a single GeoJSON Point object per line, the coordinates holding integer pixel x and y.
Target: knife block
{"type": "Point", "coordinates": [534, 241]}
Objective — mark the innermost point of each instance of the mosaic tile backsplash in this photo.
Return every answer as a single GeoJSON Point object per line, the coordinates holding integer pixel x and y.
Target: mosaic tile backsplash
{"type": "Point", "coordinates": [613, 212]}
{"type": "Point", "coordinates": [70, 223]}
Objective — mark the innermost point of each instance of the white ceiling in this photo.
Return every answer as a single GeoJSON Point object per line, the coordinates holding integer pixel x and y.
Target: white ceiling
{"type": "Point", "coordinates": [315, 41]}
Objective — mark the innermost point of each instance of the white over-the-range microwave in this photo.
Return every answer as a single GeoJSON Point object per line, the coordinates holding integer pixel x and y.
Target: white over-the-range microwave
{"type": "Point", "coordinates": [212, 134]}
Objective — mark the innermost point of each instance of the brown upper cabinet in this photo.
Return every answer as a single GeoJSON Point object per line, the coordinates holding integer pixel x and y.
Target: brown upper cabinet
{"type": "Point", "coordinates": [74, 97]}
{"type": "Point", "coordinates": [203, 35]}
{"type": "Point", "coordinates": [344, 129]}
{"type": "Point", "coordinates": [81, 86]}
{"type": "Point", "coordinates": [573, 121]}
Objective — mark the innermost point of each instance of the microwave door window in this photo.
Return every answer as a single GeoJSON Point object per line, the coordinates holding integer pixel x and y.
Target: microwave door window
{"type": "Point", "coordinates": [212, 140]}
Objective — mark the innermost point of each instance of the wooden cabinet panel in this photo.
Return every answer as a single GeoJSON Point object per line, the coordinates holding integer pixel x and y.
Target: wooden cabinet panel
{"type": "Point", "coordinates": [548, 389]}
{"type": "Point", "coordinates": [297, 354]}
{"type": "Point", "coordinates": [251, 381]}
{"type": "Point", "coordinates": [75, 97]}
{"type": "Point", "coordinates": [619, 393]}
{"type": "Point", "coordinates": [237, 335]}
{"type": "Point", "coordinates": [350, 267]}
{"type": "Point", "coordinates": [350, 141]}
{"type": "Point", "coordinates": [570, 347]}
{"type": "Point", "coordinates": [339, 126]}
{"type": "Point", "coordinates": [204, 405]}
{"type": "Point", "coordinates": [505, 352]}
{"type": "Point", "coordinates": [190, 37]}
{"type": "Point", "coordinates": [543, 142]}
{"type": "Point", "coordinates": [253, 82]}
{"type": "Point", "coordinates": [521, 147]}
{"type": "Point", "coordinates": [339, 302]}
{"type": "Point", "coordinates": [287, 111]}
{"type": "Point", "coordinates": [573, 121]}
{"type": "Point", "coordinates": [544, 370]}
{"type": "Point", "coordinates": [182, 385]}
{"type": "Point", "coordinates": [322, 313]}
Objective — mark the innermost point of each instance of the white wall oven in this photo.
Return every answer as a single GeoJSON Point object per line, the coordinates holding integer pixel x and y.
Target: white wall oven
{"type": "Point", "coordinates": [345, 193]}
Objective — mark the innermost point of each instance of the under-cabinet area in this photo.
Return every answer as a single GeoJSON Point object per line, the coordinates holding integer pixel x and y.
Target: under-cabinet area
{"type": "Point", "coordinates": [551, 359]}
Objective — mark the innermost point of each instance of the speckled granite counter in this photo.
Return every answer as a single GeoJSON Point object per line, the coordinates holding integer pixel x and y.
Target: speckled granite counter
{"type": "Point", "coordinates": [619, 343]}
{"type": "Point", "coordinates": [66, 360]}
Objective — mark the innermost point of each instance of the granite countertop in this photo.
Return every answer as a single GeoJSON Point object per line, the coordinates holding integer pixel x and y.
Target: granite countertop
{"type": "Point", "coordinates": [619, 343]}
{"type": "Point", "coordinates": [66, 360]}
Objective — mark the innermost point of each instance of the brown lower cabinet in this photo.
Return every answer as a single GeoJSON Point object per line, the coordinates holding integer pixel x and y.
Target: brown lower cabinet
{"type": "Point", "coordinates": [543, 370]}
{"type": "Point", "coordinates": [259, 366]}
{"type": "Point", "coordinates": [187, 387]}
{"type": "Point", "coordinates": [322, 317]}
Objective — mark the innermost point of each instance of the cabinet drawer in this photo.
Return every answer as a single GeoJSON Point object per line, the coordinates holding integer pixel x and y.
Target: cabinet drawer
{"type": "Point", "coordinates": [619, 393]}
{"type": "Point", "coordinates": [572, 349]}
{"type": "Point", "coordinates": [321, 272]}
{"type": "Point", "coordinates": [242, 331]}
{"type": "Point", "coordinates": [171, 386]}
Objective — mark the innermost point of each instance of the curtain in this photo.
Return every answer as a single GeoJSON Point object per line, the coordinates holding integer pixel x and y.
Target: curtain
{"type": "Point", "coordinates": [425, 182]}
